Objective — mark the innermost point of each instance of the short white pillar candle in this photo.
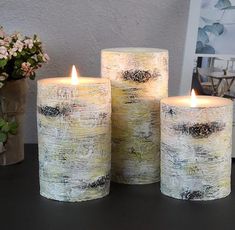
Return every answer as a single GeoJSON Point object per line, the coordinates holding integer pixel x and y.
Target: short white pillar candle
{"type": "Point", "coordinates": [196, 134]}
{"type": "Point", "coordinates": [139, 79]}
{"type": "Point", "coordinates": [74, 129]}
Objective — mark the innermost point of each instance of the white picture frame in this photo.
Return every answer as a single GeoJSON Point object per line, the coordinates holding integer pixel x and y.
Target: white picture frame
{"type": "Point", "coordinates": [207, 15]}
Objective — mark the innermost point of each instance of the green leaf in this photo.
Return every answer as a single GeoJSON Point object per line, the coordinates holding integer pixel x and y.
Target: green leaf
{"type": "Point", "coordinates": [33, 50]}
{"type": "Point", "coordinates": [5, 128]}
{"type": "Point", "coordinates": [2, 122]}
{"type": "Point", "coordinates": [8, 127]}
{"type": "Point", "coordinates": [22, 53]}
{"type": "Point", "coordinates": [18, 63]}
{"type": "Point", "coordinates": [202, 36]}
{"type": "Point", "coordinates": [223, 4]}
{"type": "Point", "coordinates": [39, 58]}
{"type": "Point", "coordinates": [3, 137]}
{"type": "Point", "coordinates": [32, 77]}
{"type": "Point", "coordinates": [217, 28]}
{"type": "Point", "coordinates": [17, 74]}
{"type": "Point", "coordinates": [32, 61]}
{"type": "Point", "coordinates": [18, 55]}
{"type": "Point", "coordinates": [13, 127]}
{"type": "Point", "coordinates": [3, 62]}
{"type": "Point", "coordinates": [13, 130]}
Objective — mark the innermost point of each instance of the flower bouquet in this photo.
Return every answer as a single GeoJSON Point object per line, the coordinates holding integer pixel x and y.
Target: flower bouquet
{"type": "Point", "coordinates": [20, 57]}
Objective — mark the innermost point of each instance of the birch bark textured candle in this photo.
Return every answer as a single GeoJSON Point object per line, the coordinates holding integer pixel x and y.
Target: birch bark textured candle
{"type": "Point", "coordinates": [139, 79]}
{"type": "Point", "coordinates": [74, 129]}
{"type": "Point", "coordinates": [196, 142]}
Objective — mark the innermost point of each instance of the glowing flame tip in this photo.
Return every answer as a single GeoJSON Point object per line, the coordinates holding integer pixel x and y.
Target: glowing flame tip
{"type": "Point", "coordinates": [74, 76]}
{"type": "Point", "coordinates": [193, 99]}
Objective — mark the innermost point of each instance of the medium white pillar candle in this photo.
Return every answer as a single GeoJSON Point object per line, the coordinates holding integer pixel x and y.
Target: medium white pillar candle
{"type": "Point", "coordinates": [139, 79]}
{"type": "Point", "coordinates": [74, 129]}
{"type": "Point", "coordinates": [196, 135]}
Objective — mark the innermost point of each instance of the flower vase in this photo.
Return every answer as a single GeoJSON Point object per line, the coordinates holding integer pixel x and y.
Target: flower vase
{"type": "Point", "coordinates": [13, 103]}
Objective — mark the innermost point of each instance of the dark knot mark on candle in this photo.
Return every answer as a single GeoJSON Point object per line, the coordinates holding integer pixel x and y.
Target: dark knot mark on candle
{"type": "Point", "coordinates": [171, 112]}
{"type": "Point", "coordinates": [167, 110]}
{"type": "Point", "coordinates": [199, 130]}
{"type": "Point", "coordinates": [192, 195]}
{"type": "Point", "coordinates": [100, 182]}
{"type": "Point", "coordinates": [103, 115]}
{"type": "Point", "coordinates": [139, 76]}
{"type": "Point", "coordinates": [52, 111]}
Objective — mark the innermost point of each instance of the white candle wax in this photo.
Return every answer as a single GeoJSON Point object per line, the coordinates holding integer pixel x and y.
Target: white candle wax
{"type": "Point", "coordinates": [196, 139]}
{"type": "Point", "coordinates": [74, 138]}
{"type": "Point", "coordinates": [139, 79]}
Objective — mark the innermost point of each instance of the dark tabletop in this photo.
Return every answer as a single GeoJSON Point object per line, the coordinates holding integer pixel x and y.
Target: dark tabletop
{"type": "Point", "coordinates": [127, 206]}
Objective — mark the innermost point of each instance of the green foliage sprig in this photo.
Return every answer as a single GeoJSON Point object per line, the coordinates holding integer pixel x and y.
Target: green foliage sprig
{"type": "Point", "coordinates": [7, 128]}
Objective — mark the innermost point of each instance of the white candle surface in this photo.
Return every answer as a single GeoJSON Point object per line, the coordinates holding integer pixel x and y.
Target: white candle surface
{"type": "Point", "coordinates": [196, 137]}
{"type": "Point", "coordinates": [74, 129]}
{"type": "Point", "coordinates": [199, 102]}
{"type": "Point", "coordinates": [139, 79]}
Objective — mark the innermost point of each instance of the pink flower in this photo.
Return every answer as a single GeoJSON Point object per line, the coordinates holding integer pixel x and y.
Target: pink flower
{"type": "Point", "coordinates": [45, 58]}
{"type": "Point", "coordinates": [6, 41]}
{"type": "Point", "coordinates": [13, 52]}
{"type": "Point", "coordinates": [18, 45]}
{"type": "Point", "coordinates": [27, 69]}
{"type": "Point", "coordinates": [28, 43]}
{"type": "Point", "coordinates": [17, 36]}
{"type": "Point", "coordinates": [3, 52]}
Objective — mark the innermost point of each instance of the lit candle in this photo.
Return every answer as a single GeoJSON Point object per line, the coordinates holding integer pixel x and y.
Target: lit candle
{"type": "Point", "coordinates": [74, 137]}
{"type": "Point", "coordinates": [196, 135]}
{"type": "Point", "coordinates": [139, 79]}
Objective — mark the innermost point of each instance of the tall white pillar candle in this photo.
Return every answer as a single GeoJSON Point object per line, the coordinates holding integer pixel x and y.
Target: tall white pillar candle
{"type": "Point", "coordinates": [139, 79]}
{"type": "Point", "coordinates": [196, 136]}
{"type": "Point", "coordinates": [74, 128]}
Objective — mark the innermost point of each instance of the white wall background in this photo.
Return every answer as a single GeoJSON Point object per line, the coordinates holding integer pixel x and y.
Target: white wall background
{"type": "Point", "coordinates": [74, 32]}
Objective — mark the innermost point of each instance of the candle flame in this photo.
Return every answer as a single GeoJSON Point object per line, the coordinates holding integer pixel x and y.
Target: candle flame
{"type": "Point", "coordinates": [193, 98]}
{"type": "Point", "coordinates": [74, 77]}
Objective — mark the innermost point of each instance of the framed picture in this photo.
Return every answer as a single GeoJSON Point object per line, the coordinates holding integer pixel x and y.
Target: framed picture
{"type": "Point", "coordinates": [209, 58]}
